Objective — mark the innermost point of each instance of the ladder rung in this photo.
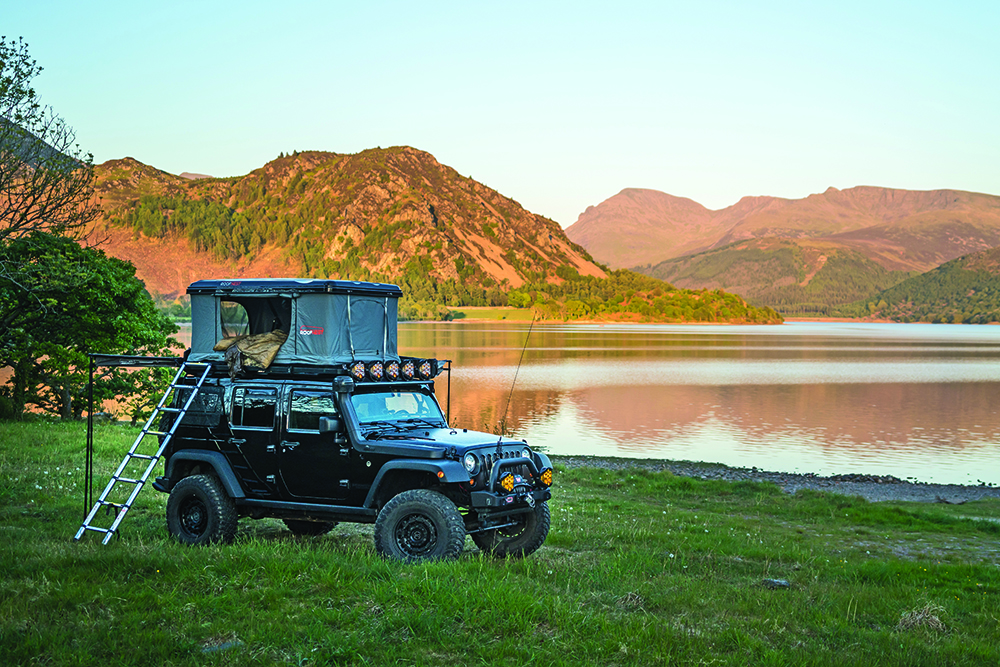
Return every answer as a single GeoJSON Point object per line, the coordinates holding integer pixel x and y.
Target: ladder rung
{"type": "Point", "coordinates": [108, 503]}
{"type": "Point", "coordinates": [170, 409]}
{"type": "Point", "coordinates": [129, 480]}
{"type": "Point", "coordinates": [157, 433]}
{"type": "Point", "coordinates": [96, 529]}
{"type": "Point", "coordinates": [142, 456]}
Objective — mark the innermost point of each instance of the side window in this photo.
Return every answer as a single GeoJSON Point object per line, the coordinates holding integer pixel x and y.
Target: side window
{"type": "Point", "coordinates": [234, 319]}
{"type": "Point", "coordinates": [254, 407]}
{"type": "Point", "coordinates": [307, 407]}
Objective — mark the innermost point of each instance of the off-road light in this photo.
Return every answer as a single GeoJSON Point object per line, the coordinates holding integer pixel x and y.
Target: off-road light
{"type": "Point", "coordinates": [525, 453]}
{"type": "Point", "coordinates": [426, 369]}
{"type": "Point", "coordinates": [546, 477]}
{"type": "Point", "coordinates": [357, 370]}
{"type": "Point", "coordinates": [408, 369]}
{"type": "Point", "coordinates": [471, 462]}
{"type": "Point", "coordinates": [507, 482]}
{"type": "Point", "coordinates": [392, 370]}
{"type": "Point", "coordinates": [376, 370]}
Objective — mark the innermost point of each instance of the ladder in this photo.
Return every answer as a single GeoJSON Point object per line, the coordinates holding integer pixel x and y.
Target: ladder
{"type": "Point", "coordinates": [134, 455]}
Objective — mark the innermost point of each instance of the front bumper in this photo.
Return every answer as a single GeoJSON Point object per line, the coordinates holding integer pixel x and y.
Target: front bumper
{"type": "Point", "coordinates": [516, 501]}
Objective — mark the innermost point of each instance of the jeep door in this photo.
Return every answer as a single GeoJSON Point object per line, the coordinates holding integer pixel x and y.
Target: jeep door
{"type": "Point", "coordinates": [252, 417]}
{"type": "Point", "coordinates": [312, 464]}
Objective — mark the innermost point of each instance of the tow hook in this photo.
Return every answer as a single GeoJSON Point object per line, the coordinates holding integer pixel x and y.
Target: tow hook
{"type": "Point", "coordinates": [530, 499]}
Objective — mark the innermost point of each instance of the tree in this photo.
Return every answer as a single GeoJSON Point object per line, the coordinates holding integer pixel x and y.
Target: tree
{"type": "Point", "coordinates": [45, 179]}
{"type": "Point", "coordinates": [71, 301]}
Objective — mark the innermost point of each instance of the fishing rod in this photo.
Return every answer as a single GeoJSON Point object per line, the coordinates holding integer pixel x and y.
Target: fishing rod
{"type": "Point", "coordinates": [503, 419]}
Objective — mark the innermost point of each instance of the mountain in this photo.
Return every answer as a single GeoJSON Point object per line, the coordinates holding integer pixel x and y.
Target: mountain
{"type": "Point", "coordinates": [899, 229]}
{"type": "Point", "coordinates": [797, 255]}
{"type": "Point", "coordinates": [326, 214]}
{"type": "Point", "coordinates": [964, 290]}
{"type": "Point", "coordinates": [393, 214]}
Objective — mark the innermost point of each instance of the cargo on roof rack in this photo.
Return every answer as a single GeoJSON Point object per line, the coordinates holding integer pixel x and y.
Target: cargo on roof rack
{"type": "Point", "coordinates": [327, 322]}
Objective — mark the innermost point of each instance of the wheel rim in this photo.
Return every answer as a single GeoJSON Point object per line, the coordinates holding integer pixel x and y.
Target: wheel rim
{"type": "Point", "coordinates": [194, 517]}
{"type": "Point", "coordinates": [416, 535]}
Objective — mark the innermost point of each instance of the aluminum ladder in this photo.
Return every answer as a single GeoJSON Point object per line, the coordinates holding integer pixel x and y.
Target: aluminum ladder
{"type": "Point", "coordinates": [121, 509]}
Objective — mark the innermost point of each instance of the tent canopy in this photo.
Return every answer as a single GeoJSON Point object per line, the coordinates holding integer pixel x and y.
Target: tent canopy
{"type": "Point", "coordinates": [328, 322]}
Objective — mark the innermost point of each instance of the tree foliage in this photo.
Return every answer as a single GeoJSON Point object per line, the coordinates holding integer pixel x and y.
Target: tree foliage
{"type": "Point", "coordinates": [71, 301]}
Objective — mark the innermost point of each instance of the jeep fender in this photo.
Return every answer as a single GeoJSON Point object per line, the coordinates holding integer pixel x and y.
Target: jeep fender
{"type": "Point", "coordinates": [448, 472]}
{"type": "Point", "coordinates": [215, 459]}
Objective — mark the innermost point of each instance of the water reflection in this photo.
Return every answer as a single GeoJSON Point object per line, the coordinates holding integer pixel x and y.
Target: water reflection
{"type": "Point", "coordinates": [909, 400]}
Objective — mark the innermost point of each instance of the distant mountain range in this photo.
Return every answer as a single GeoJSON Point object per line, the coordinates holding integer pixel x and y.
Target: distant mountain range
{"type": "Point", "coordinates": [797, 255]}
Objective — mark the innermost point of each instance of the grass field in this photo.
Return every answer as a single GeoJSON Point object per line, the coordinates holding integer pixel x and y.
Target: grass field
{"type": "Point", "coordinates": [639, 569]}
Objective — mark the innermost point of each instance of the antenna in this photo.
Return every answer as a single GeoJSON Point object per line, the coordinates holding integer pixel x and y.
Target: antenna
{"type": "Point", "coordinates": [503, 419]}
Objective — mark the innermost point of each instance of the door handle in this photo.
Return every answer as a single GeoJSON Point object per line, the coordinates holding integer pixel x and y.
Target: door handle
{"type": "Point", "coordinates": [285, 444]}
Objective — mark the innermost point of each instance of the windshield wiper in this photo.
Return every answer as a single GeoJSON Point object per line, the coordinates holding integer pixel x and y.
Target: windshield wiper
{"type": "Point", "coordinates": [380, 425]}
{"type": "Point", "coordinates": [420, 420]}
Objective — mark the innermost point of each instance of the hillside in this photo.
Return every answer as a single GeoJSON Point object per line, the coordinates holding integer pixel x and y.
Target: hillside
{"type": "Point", "coordinates": [899, 229]}
{"type": "Point", "coordinates": [392, 214]}
{"type": "Point", "coordinates": [964, 290]}
{"type": "Point", "coordinates": [793, 276]}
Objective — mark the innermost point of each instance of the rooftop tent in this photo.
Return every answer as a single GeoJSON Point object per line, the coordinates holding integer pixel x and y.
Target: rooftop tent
{"type": "Point", "coordinates": [327, 321]}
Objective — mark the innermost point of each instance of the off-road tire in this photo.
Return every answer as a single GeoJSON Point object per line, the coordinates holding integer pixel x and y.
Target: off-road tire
{"type": "Point", "coordinates": [200, 512]}
{"type": "Point", "coordinates": [313, 528]}
{"type": "Point", "coordinates": [517, 541]}
{"type": "Point", "coordinates": [419, 525]}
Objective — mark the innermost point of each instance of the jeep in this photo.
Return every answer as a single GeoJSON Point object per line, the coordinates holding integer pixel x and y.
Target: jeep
{"type": "Point", "coordinates": [306, 412]}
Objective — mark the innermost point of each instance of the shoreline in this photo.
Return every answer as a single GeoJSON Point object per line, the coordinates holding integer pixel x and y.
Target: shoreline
{"type": "Point", "coordinates": [873, 488]}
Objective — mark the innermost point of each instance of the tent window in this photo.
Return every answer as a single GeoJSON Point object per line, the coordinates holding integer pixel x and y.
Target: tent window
{"type": "Point", "coordinates": [255, 316]}
{"type": "Point", "coordinates": [234, 319]}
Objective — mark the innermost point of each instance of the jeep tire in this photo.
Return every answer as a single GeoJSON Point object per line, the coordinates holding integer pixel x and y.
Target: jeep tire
{"type": "Point", "coordinates": [520, 540]}
{"type": "Point", "coordinates": [419, 525]}
{"type": "Point", "coordinates": [200, 512]}
{"type": "Point", "coordinates": [313, 528]}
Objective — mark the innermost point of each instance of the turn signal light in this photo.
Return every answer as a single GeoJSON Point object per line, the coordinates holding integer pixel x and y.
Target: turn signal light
{"type": "Point", "coordinates": [507, 482]}
{"type": "Point", "coordinates": [546, 477]}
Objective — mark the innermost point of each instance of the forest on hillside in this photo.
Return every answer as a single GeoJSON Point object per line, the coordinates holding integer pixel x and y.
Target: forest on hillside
{"type": "Point", "coordinates": [229, 233]}
{"type": "Point", "coordinates": [957, 292]}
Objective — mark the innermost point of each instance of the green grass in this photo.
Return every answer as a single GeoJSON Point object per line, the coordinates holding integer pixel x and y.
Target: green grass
{"type": "Point", "coordinates": [639, 569]}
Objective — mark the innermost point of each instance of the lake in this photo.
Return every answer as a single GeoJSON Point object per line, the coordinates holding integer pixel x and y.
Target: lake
{"type": "Point", "coordinates": [911, 400]}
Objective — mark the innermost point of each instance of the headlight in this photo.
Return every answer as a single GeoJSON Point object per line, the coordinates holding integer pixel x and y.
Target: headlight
{"type": "Point", "coordinates": [357, 370]}
{"type": "Point", "coordinates": [507, 482]}
{"type": "Point", "coordinates": [392, 370]}
{"type": "Point", "coordinates": [376, 370]}
{"type": "Point", "coordinates": [470, 462]}
{"type": "Point", "coordinates": [525, 453]}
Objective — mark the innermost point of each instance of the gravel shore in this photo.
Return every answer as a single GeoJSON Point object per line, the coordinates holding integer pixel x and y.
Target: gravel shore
{"type": "Point", "coordinates": [870, 487]}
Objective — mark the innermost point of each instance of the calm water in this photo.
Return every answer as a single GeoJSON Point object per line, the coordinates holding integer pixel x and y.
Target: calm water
{"type": "Point", "coordinates": [911, 400]}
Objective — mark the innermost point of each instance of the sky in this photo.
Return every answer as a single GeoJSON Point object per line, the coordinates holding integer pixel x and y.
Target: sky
{"type": "Point", "coordinates": [558, 105]}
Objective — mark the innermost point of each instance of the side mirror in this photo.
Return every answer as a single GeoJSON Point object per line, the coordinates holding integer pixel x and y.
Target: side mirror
{"type": "Point", "coordinates": [330, 425]}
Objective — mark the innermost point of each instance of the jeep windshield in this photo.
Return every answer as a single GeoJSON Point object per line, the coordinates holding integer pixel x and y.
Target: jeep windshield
{"type": "Point", "coordinates": [397, 409]}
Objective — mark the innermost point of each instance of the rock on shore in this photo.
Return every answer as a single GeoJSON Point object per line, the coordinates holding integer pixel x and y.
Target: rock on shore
{"type": "Point", "coordinates": [870, 487]}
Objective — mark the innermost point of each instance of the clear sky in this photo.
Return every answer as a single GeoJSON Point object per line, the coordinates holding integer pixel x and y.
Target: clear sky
{"type": "Point", "coordinates": [557, 105]}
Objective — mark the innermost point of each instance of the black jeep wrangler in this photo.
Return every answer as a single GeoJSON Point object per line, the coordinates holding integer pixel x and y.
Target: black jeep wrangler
{"type": "Point", "coordinates": [306, 412]}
